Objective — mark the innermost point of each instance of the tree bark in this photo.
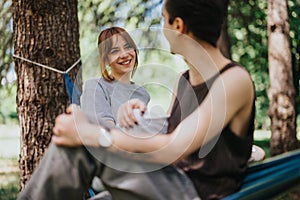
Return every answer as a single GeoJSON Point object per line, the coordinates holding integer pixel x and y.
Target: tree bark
{"type": "Point", "coordinates": [45, 32]}
{"type": "Point", "coordinates": [281, 92]}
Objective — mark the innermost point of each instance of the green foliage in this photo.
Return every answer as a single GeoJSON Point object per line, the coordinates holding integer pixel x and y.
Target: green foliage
{"type": "Point", "coordinates": [9, 179]}
{"type": "Point", "coordinates": [95, 15]}
{"type": "Point", "coordinates": [6, 40]}
{"type": "Point", "coordinates": [9, 192]}
{"type": "Point", "coordinates": [294, 13]}
{"type": "Point", "coordinates": [265, 145]}
{"type": "Point", "coordinates": [8, 111]}
{"type": "Point", "coordinates": [249, 38]}
{"type": "Point", "coordinates": [248, 32]}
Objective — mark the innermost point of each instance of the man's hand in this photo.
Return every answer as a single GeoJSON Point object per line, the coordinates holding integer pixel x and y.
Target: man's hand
{"type": "Point", "coordinates": [73, 129]}
{"type": "Point", "coordinates": [125, 113]}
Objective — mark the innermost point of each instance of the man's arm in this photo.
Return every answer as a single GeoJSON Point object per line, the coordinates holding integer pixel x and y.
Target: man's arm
{"type": "Point", "coordinates": [203, 125]}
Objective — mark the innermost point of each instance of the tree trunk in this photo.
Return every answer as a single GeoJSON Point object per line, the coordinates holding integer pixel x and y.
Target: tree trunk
{"type": "Point", "coordinates": [45, 32]}
{"type": "Point", "coordinates": [281, 92]}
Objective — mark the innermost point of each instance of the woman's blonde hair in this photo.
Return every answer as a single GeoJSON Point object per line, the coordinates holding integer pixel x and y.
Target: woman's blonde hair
{"type": "Point", "coordinates": [105, 46]}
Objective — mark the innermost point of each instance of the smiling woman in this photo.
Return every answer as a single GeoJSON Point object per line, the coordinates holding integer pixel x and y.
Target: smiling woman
{"type": "Point", "coordinates": [118, 61]}
{"type": "Point", "coordinates": [102, 97]}
{"type": "Point", "coordinates": [118, 51]}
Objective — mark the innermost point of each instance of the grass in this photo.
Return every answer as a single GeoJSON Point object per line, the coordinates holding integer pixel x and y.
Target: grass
{"type": "Point", "coordinates": [9, 178]}
{"type": "Point", "coordinates": [9, 190]}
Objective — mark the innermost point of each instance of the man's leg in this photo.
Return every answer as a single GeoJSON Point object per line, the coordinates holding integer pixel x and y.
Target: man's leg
{"type": "Point", "coordinates": [127, 179]}
{"type": "Point", "coordinates": [63, 173]}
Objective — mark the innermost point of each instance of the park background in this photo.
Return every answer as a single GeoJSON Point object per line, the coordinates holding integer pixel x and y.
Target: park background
{"type": "Point", "coordinates": [247, 30]}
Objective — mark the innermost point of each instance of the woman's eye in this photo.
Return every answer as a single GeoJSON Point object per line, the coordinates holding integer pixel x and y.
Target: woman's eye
{"type": "Point", "coordinates": [128, 47]}
{"type": "Point", "coordinates": [114, 51]}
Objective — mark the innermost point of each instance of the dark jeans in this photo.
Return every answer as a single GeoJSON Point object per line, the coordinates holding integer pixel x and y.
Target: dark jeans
{"type": "Point", "coordinates": [66, 173]}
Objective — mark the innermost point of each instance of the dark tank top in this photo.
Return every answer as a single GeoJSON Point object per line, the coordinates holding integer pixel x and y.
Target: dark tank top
{"type": "Point", "coordinates": [220, 172]}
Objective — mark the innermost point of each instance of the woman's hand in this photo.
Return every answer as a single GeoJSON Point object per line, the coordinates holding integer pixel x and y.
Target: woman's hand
{"type": "Point", "coordinates": [125, 113]}
{"type": "Point", "coordinates": [73, 129]}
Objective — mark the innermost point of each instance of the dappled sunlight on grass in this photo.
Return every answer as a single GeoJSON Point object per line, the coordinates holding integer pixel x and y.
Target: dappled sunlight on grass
{"type": "Point", "coordinates": [9, 179]}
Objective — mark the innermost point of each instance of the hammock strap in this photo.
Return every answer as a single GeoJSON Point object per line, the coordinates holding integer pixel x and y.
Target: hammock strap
{"type": "Point", "coordinates": [47, 67]}
{"type": "Point", "coordinates": [73, 92]}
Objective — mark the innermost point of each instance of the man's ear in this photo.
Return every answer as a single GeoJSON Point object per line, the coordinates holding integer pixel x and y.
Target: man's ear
{"type": "Point", "coordinates": [179, 25]}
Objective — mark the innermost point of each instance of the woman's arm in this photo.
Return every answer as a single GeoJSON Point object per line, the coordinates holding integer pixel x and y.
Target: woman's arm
{"type": "Point", "coordinates": [95, 102]}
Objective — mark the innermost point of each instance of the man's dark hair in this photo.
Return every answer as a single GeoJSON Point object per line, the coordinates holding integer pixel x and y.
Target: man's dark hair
{"type": "Point", "coordinates": [204, 18]}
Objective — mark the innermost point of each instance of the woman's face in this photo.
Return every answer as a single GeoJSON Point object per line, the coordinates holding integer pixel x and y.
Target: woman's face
{"type": "Point", "coordinates": [121, 57]}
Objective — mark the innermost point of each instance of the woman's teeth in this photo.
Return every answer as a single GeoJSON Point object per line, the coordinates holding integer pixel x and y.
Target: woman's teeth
{"type": "Point", "coordinates": [125, 63]}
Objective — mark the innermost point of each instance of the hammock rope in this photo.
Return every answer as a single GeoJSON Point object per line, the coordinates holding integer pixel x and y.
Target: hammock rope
{"type": "Point", "coordinates": [73, 92]}
{"type": "Point", "coordinates": [47, 67]}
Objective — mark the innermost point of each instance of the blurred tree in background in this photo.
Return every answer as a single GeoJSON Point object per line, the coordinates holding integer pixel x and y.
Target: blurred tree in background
{"type": "Point", "coordinates": [247, 29]}
{"type": "Point", "coordinates": [281, 93]}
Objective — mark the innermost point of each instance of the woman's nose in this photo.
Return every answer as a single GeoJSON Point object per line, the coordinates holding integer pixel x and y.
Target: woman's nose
{"type": "Point", "coordinates": [124, 53]}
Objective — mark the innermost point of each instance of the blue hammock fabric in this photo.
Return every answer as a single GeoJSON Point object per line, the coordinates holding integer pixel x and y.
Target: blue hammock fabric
{"type": "Point", "coordinates": [74, 97]}
{"type": "Point", "coordinates": [73, 92]}
{"type": "Point", "coordinates": [269, 177]}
